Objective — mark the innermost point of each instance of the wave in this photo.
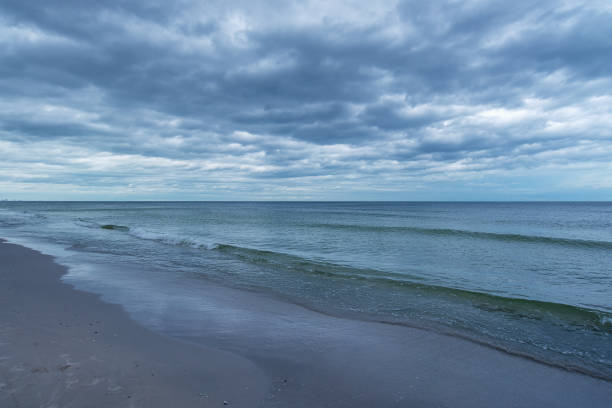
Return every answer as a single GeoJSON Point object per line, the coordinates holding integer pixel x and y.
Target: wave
{"type": "Point", "coordinates": [570, 315]}
{"type": "Point", "coordinates": [171, 239]}
{"type": "Point", "coordinates": [592, 319]}
{"type": "Point", "coordinates": [114, 227]}
{"type": "Point", "coordinates": [569, 336]}
{"type": "Point", "coordinates": [141, 233]}
{"type": "Point", "coordinates": [573, 242]}
{"type": "Point", "coordinates": [94, 225]}
{"type": "Point", "coordinates": [11, 218]}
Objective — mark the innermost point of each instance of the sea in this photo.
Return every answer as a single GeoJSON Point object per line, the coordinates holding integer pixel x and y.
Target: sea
{"type": "Point", "coordinates": [530, 278]}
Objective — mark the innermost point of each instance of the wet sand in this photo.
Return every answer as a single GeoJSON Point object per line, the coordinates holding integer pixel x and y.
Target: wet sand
{"type": "Point", "coordinates": [60, 347]}
{"type": "Point", "coordinates": [66, 348]}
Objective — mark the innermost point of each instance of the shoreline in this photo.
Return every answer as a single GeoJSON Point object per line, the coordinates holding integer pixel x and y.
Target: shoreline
{"type": "Point", "coordinates": [320, 360]}
{"type": "Point", "coordinates": [437, 329]}
{"type": "Point", "coordinates": [61, 347]}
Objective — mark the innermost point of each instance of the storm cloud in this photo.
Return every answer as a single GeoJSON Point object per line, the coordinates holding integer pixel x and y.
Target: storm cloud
{"type": "Point", "coordinates": [306, 100]}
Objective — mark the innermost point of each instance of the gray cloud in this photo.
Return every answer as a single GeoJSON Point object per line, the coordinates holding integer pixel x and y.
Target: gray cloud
{"type": "Point", "coordinates": [408, 99]}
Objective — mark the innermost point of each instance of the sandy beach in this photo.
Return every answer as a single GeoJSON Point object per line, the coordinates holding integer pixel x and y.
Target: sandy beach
{"type": "Point", "coordinates": [61, 347]}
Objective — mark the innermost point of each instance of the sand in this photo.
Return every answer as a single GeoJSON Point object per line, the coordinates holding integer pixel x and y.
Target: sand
{"type": "Point", "coordinates": [60, 347]}
{"type": "Point", "coordinates": [66, 348]}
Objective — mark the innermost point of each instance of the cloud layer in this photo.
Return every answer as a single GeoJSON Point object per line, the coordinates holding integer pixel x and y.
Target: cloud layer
{"type": "Point", "coordinates": [306, 100]}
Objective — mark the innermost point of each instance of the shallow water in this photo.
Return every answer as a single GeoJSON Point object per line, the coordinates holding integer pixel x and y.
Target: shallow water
{"type": "Point", "coordinates": [533, 278]}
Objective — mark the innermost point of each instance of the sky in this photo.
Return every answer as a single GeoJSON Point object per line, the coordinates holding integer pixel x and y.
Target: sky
{"type": "Point", "coordinates": [306, 100]}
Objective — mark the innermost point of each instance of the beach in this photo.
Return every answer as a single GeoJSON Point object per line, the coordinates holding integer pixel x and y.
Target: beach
{"type": "Point", "coordinates": [67, 348]}
{"type": "Point", "coordinates": [64, 348]}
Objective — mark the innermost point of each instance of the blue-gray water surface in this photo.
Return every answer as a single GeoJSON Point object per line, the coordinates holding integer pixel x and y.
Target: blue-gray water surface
{"type": "Point", "coordinates": [531, 278]}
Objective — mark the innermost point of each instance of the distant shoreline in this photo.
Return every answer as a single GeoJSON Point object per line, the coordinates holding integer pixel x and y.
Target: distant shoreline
{"type": "Point", "coordinates": [310, 201]}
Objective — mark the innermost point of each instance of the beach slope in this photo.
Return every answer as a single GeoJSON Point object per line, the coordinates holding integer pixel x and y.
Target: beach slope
{"type": "Point", "coordinates": [60, 347]}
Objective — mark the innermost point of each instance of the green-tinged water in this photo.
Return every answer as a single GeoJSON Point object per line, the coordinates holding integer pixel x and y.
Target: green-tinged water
{"type": "Point", "coordinates": [532, 278]}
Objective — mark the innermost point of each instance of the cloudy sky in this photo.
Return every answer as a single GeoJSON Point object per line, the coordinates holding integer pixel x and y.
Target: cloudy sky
{"type": "Point", "coordinates": [387, 100]}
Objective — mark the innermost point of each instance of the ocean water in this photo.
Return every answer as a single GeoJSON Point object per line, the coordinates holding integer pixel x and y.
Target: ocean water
{"type": "Point", "coordinates": [531, 278]}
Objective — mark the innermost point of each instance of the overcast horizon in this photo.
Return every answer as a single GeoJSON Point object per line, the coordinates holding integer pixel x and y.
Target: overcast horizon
{"type": "Point", "coordinates": [311, 100]}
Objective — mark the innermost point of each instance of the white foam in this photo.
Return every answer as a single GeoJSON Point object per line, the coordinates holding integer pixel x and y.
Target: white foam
{"type": "Point", "coordinates": [171, 239]}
